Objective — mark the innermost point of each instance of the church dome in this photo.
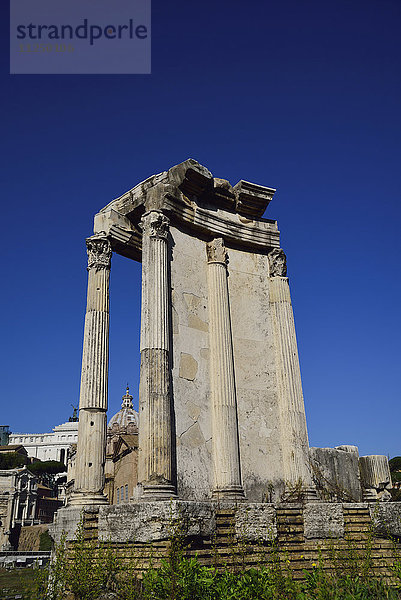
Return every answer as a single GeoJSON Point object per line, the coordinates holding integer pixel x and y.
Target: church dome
{"type": "Point", "coordinates": [126, 420]}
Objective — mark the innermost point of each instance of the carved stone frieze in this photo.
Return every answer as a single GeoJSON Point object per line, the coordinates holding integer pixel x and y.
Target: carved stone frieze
{"type": "Point", "coordinates": [277, 263]}
{"type": "Point", "coordinates": [99, 252]}
{"type": "Point", "coordinates": [216, 251]}
{"type": "Point", "coordinates": [155, 224]}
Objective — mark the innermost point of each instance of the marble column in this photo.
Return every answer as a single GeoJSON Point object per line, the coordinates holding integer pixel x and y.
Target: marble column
{"type": "Point", "coordinates": [155, 459]}
{"type": "Point", "coordinates": [226, 456]}
{"type": "Point", "coordinates": [375, 477]}
{"type": "Point", "coordinates": [294, 435]}
{"type": "Point", "coordinates": [91, 446]}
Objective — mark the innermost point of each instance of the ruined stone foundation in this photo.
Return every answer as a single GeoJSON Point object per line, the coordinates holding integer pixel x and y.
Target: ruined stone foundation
{"type": "Point", "coordinates": [348, 535]}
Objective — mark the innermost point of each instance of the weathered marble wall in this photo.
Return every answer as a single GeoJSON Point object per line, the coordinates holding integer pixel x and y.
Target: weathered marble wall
{"type": "Point", "coordinates": [255, 369]}
{"type": "Point", "coordinates": [336, 473]}
{"type": "Point", "coordinates": [190, 368]}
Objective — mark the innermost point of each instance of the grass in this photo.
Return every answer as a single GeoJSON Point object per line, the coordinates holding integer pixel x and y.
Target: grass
{"type": "Point", "coordinates": [186, 579]}
{"type": "Point", "coordinates": [180, 578]}
{"type": "Point", "coordinates": [17, 581]}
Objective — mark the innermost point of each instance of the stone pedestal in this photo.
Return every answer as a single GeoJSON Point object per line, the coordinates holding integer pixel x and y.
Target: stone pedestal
{"type": "Point", "coordinates": [294, 435]}
{"type": "Point", "coordinates": [89, 470]}
{"type": "Point", "coordinates": [226, 458]}
{"type": "Point", "coordinates": [155, 463]}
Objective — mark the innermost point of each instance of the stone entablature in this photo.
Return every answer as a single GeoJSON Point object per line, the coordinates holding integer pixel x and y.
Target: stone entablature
{"type": "Point", "coordinates": [190, 196]}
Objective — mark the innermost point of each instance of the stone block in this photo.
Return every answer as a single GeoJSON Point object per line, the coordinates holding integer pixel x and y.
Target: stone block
{"type": "Point", "coordinates": [323, 520]}
{"type": "Point", "coordinates": [386, 518]}
{"type": "Point", "coordinates": [156, 521]}
{"type": "Point", "coordinates": [336, 473]}
{"type": "Point", "coordinates": [256, 522]}
{"type": "Point", "coordinates": [66, 521]}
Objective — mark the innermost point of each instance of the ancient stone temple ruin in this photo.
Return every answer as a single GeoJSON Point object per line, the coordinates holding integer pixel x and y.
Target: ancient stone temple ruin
{"type": "Point", "coordinates": [221, 411]}
{"type": "Point", "coordinates": [221, 407]}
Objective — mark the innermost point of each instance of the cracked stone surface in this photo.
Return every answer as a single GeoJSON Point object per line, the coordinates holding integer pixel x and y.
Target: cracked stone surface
{"type": "Point", "coordinates": [256, 522]}
{"type": "Point", "coordinates": [188, 367]}
{"type": "Point", "coordinates": [152, 521]}
{"type": "Point", "coordinates": [194, 435]}
{"type": "Point", "coordinates": [386, 517]}
{"type": "Point", "coordinates": [323, 520]}
{"type": "Point", "coordinates": [259, 405]}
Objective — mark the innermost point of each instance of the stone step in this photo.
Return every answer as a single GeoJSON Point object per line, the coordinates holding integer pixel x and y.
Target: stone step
{"type": "Point", "coordinates": [225, 530]}
{"type": "Point", "coordinates": [361, 520]}
{"type": "Point", "coordinates": [290, 538]}
{"type": "Point", "coordinates": [365, 527]}
{"type": "Point", "coordinates": [291, 519]}
{"type": "Point", "coordinates": [358, 512]}
{"type": "Point", "coordinates": [225, 523]}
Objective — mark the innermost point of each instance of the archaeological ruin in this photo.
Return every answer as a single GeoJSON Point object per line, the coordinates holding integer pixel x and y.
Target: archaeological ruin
{"type": "Point", "coordinates": [222, 427]}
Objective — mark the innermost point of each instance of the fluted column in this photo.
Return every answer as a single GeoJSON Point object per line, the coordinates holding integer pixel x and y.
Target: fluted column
{"type": "Point", "coordinates": [155, 468]}
{"type": "Point", "coordinates": [226, 457]}
{"type": "Point", "coordinates": [375, 477]}
{"type": "Point", "coordinates": [294, 435]}
{"type": "Point", "coordinates": [91, 446]}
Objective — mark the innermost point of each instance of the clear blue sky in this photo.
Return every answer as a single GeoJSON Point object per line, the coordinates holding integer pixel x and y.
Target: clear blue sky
{"type": "Point", "coordinates": [301, 96]}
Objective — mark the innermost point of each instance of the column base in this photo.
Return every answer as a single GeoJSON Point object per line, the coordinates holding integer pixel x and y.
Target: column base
{"type": "Point", "coordinates": [87, 499]}
{"type": "Point", "coordinates": [158, 492]}
{"type": "Point", "coordinates": [234, 493]}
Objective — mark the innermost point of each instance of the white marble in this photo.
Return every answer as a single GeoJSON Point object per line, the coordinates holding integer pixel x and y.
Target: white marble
{"type": "Point", "coordinates": [91, 445]}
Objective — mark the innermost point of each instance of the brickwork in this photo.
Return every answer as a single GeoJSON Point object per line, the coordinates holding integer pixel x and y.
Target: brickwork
{"type": "Point", "coordinates": [359, 550]}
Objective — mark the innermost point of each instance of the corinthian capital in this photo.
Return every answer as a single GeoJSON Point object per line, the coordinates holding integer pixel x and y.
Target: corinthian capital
{"type": "Point", "coordinates": [99, 252]}
{"type": "Point", "coordinates": [216, 251]}
{"type": "Point", "coordinates": [277, 263]}
{"type": "Point", "coordinates": [155, 224]}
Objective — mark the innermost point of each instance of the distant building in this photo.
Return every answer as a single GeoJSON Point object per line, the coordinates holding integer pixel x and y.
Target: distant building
{"type": "Point", "coordinates": [70, 471]}
{"type": "Point", "coordinates": [49, 446]}
{"type": "Point", "coordinates": [47, 504]}
{"type": "Point", "coordinates": [121, 469]}
{"type": "Point", "coordinates": [4, 434]}
{"type": "Point", "coordinates": [26, 499]}
{"type": "Point", "coordinates": [18, 499]}
{"type": "Point", "coordinates": [122, 472]}
{"type": "Point", "coordinates": [24, 502]}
